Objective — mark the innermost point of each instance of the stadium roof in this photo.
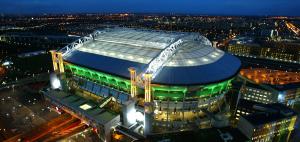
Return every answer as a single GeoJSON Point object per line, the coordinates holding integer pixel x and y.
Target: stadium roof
{"type": "Point", "coordinates": [194, 62]}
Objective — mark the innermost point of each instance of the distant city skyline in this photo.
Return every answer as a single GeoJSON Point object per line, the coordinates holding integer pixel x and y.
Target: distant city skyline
{"type": "Point", "coordinates": [202, 7]}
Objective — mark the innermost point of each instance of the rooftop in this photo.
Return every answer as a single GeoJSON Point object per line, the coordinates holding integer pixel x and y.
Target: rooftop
{"type": "Point", "coordinates": [272, 77]}
{"type": "Point", "coordinates": [269, 87]}
{"type": "Point", "coordinates": [265, 113]}
{"type": "Point", "coordinates": [143, 45]}
{"type": "Point", "coordinates": [195, 61]}
{"type": "Point", "coordinates": [86, 107]}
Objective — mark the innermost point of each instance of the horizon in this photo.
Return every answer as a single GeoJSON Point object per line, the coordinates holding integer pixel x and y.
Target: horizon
{"type": "Point", "coordinates": [143, 13]}
{"type": "Point", "coordinates": [194, 7]}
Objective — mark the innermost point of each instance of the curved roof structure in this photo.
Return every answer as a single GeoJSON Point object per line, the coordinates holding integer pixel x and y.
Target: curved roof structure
{"type": "Point", "coordinates": [191, 61]}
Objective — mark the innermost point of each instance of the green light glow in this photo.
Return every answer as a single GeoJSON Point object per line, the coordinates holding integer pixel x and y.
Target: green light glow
{"type": "Point", "coordinates": [176, 92]}
{"type": "Point", "coordinates": [103, 78]}
{"type": "Point", "coordinates": [158, 91]}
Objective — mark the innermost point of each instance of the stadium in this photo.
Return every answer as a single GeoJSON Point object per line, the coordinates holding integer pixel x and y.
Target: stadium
{"type": "Point", "coordinates": [142, 81]}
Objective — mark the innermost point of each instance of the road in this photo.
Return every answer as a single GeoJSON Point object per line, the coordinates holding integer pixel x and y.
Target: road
{"type": "Point", "coordinates": [293, 28]}
{"type": "Point", "coordinates": [24, 110]}
{"type": "Point", "coordinates": [64, 132]}
{"type": "Point", "coordinates": [21, 109]}
{"type": "Point", "coordinates": [58, 128]}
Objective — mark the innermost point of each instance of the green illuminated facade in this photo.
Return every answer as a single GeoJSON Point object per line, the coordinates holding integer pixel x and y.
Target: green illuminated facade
{"type": "Point", "coordinates": [99, 77]}
{"type": "Point", "coordinates": [160, 92]}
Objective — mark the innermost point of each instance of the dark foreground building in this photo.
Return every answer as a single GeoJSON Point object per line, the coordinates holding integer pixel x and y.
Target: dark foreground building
{"type": "Point", "coordinates": [266, 122]}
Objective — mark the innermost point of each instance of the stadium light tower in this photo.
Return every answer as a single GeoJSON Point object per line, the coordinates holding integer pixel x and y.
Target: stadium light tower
{"type": "Point", "coordinates": [57, 60]}
{"type": "Point", "coordinates": [133, 87]}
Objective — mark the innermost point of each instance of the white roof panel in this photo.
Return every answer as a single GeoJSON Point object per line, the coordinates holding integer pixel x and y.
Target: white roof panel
{"type": "Point", "coordinates": [144, 45]}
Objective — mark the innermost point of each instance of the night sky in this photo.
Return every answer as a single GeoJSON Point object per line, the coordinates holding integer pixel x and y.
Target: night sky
{"type": "Point", "coordinates": [205, 7]}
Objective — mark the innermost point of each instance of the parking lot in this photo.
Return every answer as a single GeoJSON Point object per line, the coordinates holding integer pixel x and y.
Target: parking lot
{"type": "Point", "coordinates": [21, 109]}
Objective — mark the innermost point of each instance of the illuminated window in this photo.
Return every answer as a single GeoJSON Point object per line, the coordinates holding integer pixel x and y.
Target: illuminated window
{"type": "Point", "coordinates": [85, 107]}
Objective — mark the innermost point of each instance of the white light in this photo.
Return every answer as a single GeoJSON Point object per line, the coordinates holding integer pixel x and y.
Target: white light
{"type": "Point", "coordinates": [204, 59]}
{"type": "Point", "coordinates": [156, 111]}
{"type": "Point", "coordinates": [190, 62]}
{"type": "Point", "coordinates": [85, 106]}
{"type": "Point", "coordinates": [139, 116]}
{"type": "Point", "coordinates": [214, 56]}
{"type": "Point", "coordinates": [112, 53]}
{"type": "Point", "coordinates": [216, 53]}
{"type": "Point", "coordinates": [7, 63]}
{"type": "Point", "coordinates": [55, 82]}
{"type": "Point", "coordinates": [281, 97]}
{"type": "Point", "coordinates": [133, 116]}
{"type": "Point", "coordinates": [130, 116]}
{"type": "Point", "coordinates": [130, 57]}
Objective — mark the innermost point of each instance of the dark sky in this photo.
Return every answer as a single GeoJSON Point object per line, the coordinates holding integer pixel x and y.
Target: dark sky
{"type": "Point", "coordinates": [209, 7]}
